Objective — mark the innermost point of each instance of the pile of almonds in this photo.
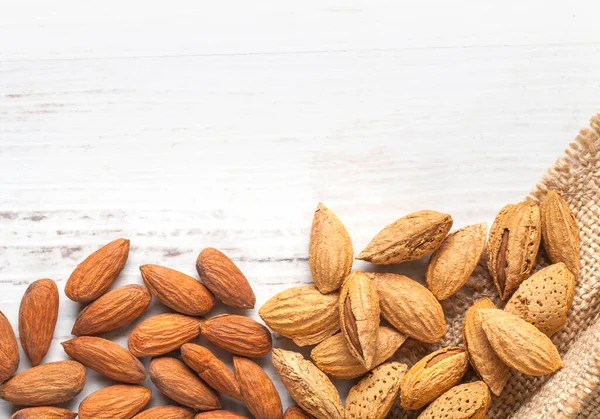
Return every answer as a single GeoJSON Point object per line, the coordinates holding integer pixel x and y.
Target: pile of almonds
{"type": "Point", "coordinates": [352, 303]}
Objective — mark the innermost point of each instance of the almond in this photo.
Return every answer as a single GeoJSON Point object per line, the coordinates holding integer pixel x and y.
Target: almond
{"type": "Point", "coordinates": [9, 349]}
{"type": "Point", "coordinates": [45, 412]}
{"type": "Point", "coordinates": [94, 276]}
{"type": "Point", "coordinates": [120, 401]}
{"type": "Point", "coordinates": [330, 253]}
{"type": "Point", "coordinates": [177, 290]}
{"type": "Point", "coordinates": [179, 383]}
{"type": "Point", "coordinates": [211, 369]}
{"type": "Point", "coordinates": [302, 314]}
{"type": "Point", "coordinates": [37, 319]}
{"type": "Point", "coordinates": [513, 246]}
{"type": "Point", "coordinates": [408, 238]}
{"type": "Point", "coordinates": [410, 307]}
{"type": "Point", "coordinates": [106, 358]}
{"type": "Point", "coordinates": [47, 384]}
{"type": "Point", "coordinates": [113, 310]}
{"type": "Point", "coordinates": [219, 414]}
{"type": "Point", "coordinates": [453, 263]}
{"type": "Point", "coordinates": [294, 412]}
{"type": "Point", "coordinates": [519, 344]}
{"type": "Point", "coordinates": [359, 316]}
{"type": "Point", "coordinates": [467, 401]}
{"type": "Point", "coordinates": [308, 386]}
{"type": "Point", "coordinates": [432, 376]}
{"type": "Point", "coordinates": [163, 333]}
{"type": "Point", "coordinates": [333, 357]}
{"type": "Point", "coordinates": [238, 335]}
{"type": "Point", "coordinates": [490, 368]}
{"type": "Point", "coordinates": [544, 298]}
{"type": "Point", "coordinates": [560, 232]}
{"type": "Point", "coordinates": [224, 279]}
{"type": "Point", "coordinates": [373, 396]}
{"type": "Point", "coordinates": [166, 412]}
{"type": "Point", "coordinates": [258, 391]}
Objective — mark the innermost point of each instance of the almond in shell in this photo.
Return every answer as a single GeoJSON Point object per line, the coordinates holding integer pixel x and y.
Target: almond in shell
{"type": "Point", "coordinates": [9, 350]}
{"type": "Point", "coordinates": [166, 412]}
{"type": "Point", "coordinates": [408, 238]}
{"type": "Point", "coordinates": [94, 276]}
{"type": "Point", "coordinates": [519, 344]}
{"type": "Point", "coordinates": [330, 252]}
{"type": "Point", "coordinates": [163, 333]}
{"type": "Point", "coordinates": [258, 391]}
{"type": "Point", "coordinates": [490, 368]}
{"type": "Point", "coordinates": [46, 384]}
{"type": "Point", "coordinates": [432, 376]}
{"type": "Point", "coordinates": [410, 307]}
{"type": "Point", "coordinates": [176, 381]}
{"type": "Point", "coordinates": [44, 412]}
{"type": "Point", "coordinates": [121, 401]}
{"type": "Point", "coordinates": [308, 386]}
{"type": "Point", "coordinates": [113, 310]}
{"type": "Point", "coordinates": [224, 279]}
{"type": "Point", "coordinates": [302, 314]}
{"type": "Point", "coordinates": [466, 401]}
{"type": "Point", "coordinates": [238, 334]}
{"type": "Point", "coordinates": [453, 263]}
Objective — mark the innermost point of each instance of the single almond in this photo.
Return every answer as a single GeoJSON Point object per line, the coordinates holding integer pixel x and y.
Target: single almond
{"type": "Point", "coordinates": [408, 238]}
{"type": "Point", "coordinates": [453, 263]}
{"type": "Point", "coordinates": [544, 298]}
{"type": "Point", "coordinates": [490, 368]}
{"type": "Point", "coordinates": [163, 333]}
{"type": "Point", "coordinates": [94, 276]}
{"type": "Point", "coordinates": [177, 290]}
{"type": "Point", "coordinates": [330, 252]}
{"type": "Point", "coordinates": [295, 412]}
{"type": "Point", "coordinates": [9, 350]}
{"type": "Point", "coordinates": [466, 401]}
{"type": "Point", "coordinates": [219, 414]}
{"type": "Point", "coordinates": [519, 344]}
{"type": "Point", "coordinates": [308, 386]}
{"type": "Point", "coordinates": [333, 357]}
{"type": "Point", "coordinates": [432, 376]}
{"type": "Point", "coordinates": [113, 310]}
{"type": "Point", "coordinates": [44, 412]}
{"type": "Point", "coordinates": [37, 319]}
{"type": "Point", "coordinates": [176, 381]}
{"type": "Point", "coordinates": [211, 369]}
{"type": "Point", "coordinates": [107, 358]}
{"type": "Point", "coordinates": [560, 232]}
{"type": "Point", "coordinates": [258, 391]}
{"type": "Point", "coordinates": [166, 412]}
{"type": "Point", "coordinates": [410, 307]}
{"type": "Point", "coordinates": [47, 384]}
{"type": "Point", "coordinates": [359, 316]}
{"type": "Point", "coordinates": [121, 401]}
{"type": "Point", "coordinates": [513, 246]}
{"type": "Point", "coordinates": [373, 396]}
{"type": "Point", "coordinates": [238, 334]}
{"type": "Point", "coordinates": [302, 314]}
{"type": "Point", "coordinates": [224, 279]}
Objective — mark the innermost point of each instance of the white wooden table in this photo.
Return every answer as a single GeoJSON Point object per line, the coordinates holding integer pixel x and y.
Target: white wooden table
{"type": "Point", "coordinates": [191, 124]}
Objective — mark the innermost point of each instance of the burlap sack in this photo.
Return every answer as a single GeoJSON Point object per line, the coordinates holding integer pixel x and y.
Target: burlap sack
{"type": "Point", "coordinates": [574, 391]}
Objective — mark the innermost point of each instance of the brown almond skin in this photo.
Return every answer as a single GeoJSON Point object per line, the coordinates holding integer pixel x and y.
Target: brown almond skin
{"type": "Point", "coordinates": [9, 349]}
{"type": "Point", "coordinates": [113, 310]}
{"type": "Point", "coordinates": [295, 412]}
{"type": "Point", "coordinates": [238, 334]}
{"type": "Point", "coordinates": [44, 412]}
{"type": "Point", "coordinates": [259, 392]}
{"type": "Point", "coordinates": [47, 384]}
{"type": "Point", "coordinates": [219, 414]}
{"type": "Point", "coordinates": [121, 401]}
{"type": "Point", "coordinates": [163, 333]}
{"type": "Point", "coordinates": [107, 358]}
{"type": "Point", "coordinates": [37, 319]}
{"type": "Point", "coordinates": [224, 279]}
{"type": "Point", "coordinates": [177, 290]}
{"type": "Point", "coordinates": [211, 369]}
{"type": "Point", "coordinates": [166, 412]}
{"type": "Point", "coordinates": [94, 276]}
{"type": "Point", "coordinates": [176, 381]}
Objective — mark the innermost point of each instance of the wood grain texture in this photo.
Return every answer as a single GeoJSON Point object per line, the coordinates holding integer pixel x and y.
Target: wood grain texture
{"type": "Point", "coordinates": [224, 124]}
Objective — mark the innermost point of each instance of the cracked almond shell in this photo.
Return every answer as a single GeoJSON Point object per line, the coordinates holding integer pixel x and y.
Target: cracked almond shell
{"type": "Point", "coordinates": [466, 401]}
